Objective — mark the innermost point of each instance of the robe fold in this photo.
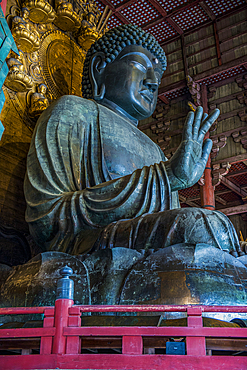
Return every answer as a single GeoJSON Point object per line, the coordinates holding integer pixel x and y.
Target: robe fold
{"type": "Point", "coordinates": [87, 188]}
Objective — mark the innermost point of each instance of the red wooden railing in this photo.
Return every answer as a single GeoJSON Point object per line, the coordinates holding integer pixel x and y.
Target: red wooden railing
{"type": "Point", "coordinates": [60, 339]}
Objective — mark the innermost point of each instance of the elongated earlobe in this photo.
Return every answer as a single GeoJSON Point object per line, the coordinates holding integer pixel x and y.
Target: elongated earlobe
{"type": "Point", "coordinates": [97, 75]}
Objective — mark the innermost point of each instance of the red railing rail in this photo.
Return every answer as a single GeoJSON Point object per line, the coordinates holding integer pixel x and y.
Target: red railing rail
{"type": "Point", "coordinates": [161, 308]}
{"type": "Point", "coordinates": [23, 310]}
{"type": "Point", "coordinates": [60, 339]}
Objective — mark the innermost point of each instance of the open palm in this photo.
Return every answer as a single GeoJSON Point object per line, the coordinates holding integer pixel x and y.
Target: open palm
{"type": "Point", "coordinates": [188, 163]}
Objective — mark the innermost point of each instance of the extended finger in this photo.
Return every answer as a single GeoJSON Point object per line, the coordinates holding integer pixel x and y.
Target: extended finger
{"type": "Point", "coordinates": [187, 131]}
{"type": "Point", "coordinates": [197, 122]}
{"type": "Point", "coordinates": [207, 124]}
{"type": "Point", "coordinates": [205, 115]}
{"type": "Point", "coordinates": [206, 149]}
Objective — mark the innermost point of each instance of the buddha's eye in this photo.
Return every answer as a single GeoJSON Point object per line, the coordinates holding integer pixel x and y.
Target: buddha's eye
{"type": "Point", "coordinates": [138, 65]}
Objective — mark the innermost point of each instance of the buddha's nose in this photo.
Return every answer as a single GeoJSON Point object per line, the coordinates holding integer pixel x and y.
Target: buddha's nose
{"type": "Point", "coordinates": [150, 80]}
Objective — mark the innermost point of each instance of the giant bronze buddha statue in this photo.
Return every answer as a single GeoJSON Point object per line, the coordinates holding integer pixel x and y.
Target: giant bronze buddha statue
{"type": "Point", "coordinates": [102, 192]}
{"type": "Point", "coordinates": [94, 181]}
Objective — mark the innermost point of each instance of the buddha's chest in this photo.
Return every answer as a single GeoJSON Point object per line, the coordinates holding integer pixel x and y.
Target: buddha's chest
{"type": "Point", "coordinates": [126, 148]}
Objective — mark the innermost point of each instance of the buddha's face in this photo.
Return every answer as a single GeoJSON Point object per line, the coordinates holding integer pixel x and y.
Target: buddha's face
{"type": "Point", "coordinates": [132, 81]}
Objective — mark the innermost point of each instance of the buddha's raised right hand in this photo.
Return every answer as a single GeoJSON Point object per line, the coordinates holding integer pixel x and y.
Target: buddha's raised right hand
{"type": "Point", "coordinates": [186, 167]}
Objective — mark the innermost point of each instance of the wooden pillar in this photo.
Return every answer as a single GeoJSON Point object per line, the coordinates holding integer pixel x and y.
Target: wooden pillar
{"type": "Point", "coordinates": [207, 190]}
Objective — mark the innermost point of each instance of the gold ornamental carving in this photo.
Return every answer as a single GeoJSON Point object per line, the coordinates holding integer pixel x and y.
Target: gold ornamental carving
{"type": "Point", "coordinates": [52, 39]}
{"type": "Point", "coordinates": [40, 11]}
{"type": "Point", "coordinates": [61, 61]}
{"type": "Point", "coordinates": [67, 19]}
{"type": "Point", "coordinates": [17, 80]}
{"type": "Point", "coordinates": [25, 34]}
{"type": "Point", "coordinates": [37, 101]}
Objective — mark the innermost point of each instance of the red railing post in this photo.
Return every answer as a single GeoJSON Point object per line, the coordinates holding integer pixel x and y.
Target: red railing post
{"type": "Point", "coordinates": [65, 293]}
{"type": "Point", "coordinates": [46, 342]}
{"type": "Point", "coordinates": [73, 344]}
{"type": "Point", "coordinates": [61, 320]}
{"type": "Point", "coordinates": [132, 345]}
{"type": "Point", "coordinates": [196, 346]}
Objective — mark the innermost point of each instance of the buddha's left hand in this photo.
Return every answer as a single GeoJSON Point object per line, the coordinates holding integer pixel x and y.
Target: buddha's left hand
{"type": "Point", "coordinates": [186, 167]}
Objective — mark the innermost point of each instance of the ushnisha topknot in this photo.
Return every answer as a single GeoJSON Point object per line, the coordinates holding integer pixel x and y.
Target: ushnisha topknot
{"type": "Point", "coordinates": [113, 42]}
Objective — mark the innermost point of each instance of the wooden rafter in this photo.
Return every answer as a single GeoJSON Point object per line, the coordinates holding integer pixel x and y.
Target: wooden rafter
{"type": "Point", "coordinates": [236, 189]}
{"type": "Point", "coordinates": [220, 200]}
{"type": "Point", "coordinates": [234, 210]}
{"type": "Point", "coordinates": [187, 201]}
{"type": "Point", "coordinates": [236, 173]}
{"type": "Point", "coordinates": [233, 159]}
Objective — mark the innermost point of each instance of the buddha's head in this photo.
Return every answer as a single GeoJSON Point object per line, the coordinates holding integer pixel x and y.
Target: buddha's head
{"type": "Point", "coordinates": [123, 70]}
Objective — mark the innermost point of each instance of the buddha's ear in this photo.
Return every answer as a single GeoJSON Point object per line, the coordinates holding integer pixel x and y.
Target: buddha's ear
{"type": "Point", "coordinates": [97, 69]}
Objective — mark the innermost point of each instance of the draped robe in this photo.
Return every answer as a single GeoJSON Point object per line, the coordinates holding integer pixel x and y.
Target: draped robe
{"type": "Point", "coordinates": [95, 181]}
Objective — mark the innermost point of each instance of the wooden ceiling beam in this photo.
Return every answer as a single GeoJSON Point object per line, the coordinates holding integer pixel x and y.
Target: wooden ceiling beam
{"type": "Point", "coordinates": [205, 75]}
{"type": "Point", "coordinates": [217, 43]}
{"type": "Point", "coordinates": [217, 193]}
{"type": "Point", "coordinates": [233, 159]}
{"type": "Point", "coordinates": [158, 7]}
{"type": "Point", "coordinates": [237, 173]}
{"type": "Point", "coordinates": [227, 98]}
{"type": "Point", "coordinates": [222, 192]}
{"type": "Point", "coordinates": [234, 210]}
{"type": "Point", "coordinates": [223, 68]}
{"type": "Point", "coordinates": [116, 12]}
{"type": "Point", "coordinates": [164, 99]}
{"type": "Point", "coordinates": [207, 10]}
{"type": "Point", "coordinates": [203, 25]}
{"type": "Point", "coordinates": [174, 87]}
{"type": "Point", "coordinates": [236, 189]}
{"type": "Point", "coordinates": [220, 200]}
{"type": "Point", "coordinates": [175, 26]}
{"type": "Point", "coordinates": [189, 4]}
{"type": "Point", "coordinates": [187, 201]}
{"type": "Point", "coordinates": [233, 113]}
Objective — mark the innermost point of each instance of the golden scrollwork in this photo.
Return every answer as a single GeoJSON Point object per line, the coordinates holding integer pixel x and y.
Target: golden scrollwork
{"type": "Point", "coordinates": [24, 33]}
{"type": "Point", "coordinates": [34, 67]}
{"type": "Point", "coordinates": [40, 11]}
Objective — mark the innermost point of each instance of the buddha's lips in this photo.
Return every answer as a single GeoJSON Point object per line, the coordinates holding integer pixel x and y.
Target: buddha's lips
{"type": "Point", "coordinates": [146, 94]}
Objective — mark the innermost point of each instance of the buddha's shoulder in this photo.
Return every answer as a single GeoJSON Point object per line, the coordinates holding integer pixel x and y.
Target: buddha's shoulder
{"type": "Point", "coordinates": [71, 102]}
{"type": "Point", "coordinates": [71, 105]}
